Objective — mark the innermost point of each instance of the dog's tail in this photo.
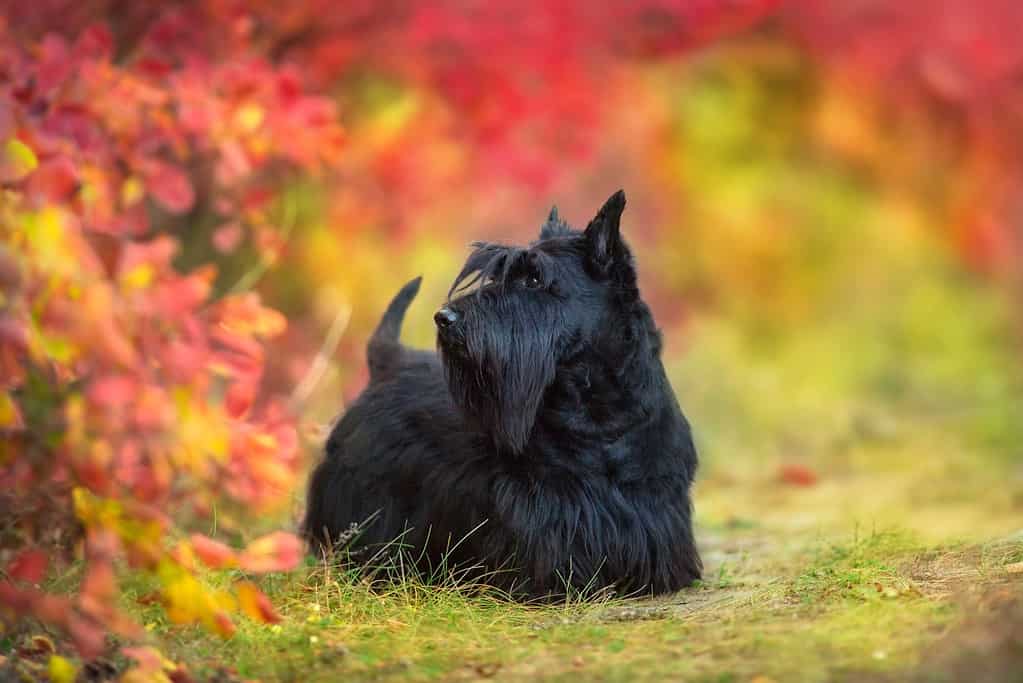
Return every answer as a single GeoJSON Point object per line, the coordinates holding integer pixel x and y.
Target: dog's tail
{"type": "Point", "coordinates": [384, 350]}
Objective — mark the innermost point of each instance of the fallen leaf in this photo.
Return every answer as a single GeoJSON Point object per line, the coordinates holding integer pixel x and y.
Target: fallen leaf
{"type": "Point", "coordinates": [88, 637]}
{"type": "Point", "coordinates": [40, 645]}
{"type": "Point", "coordinates": [487, 670]}
{"type": "Point", "coordinates": [150, 660]}
{"type": "Point", "coordinates": [797, 475]}
{"type": "Point", "coordinates": [180, 675]}
{"type": "Point", "coordinates": [61, 670]}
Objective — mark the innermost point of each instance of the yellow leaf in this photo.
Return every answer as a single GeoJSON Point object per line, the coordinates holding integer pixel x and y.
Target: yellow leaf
{"type": "Point", "coordinates": [249, 117]}
{"type": "Point", "coordinates": [139, 277]}
{"type": "Point", "coordinates": [203, 433]}
{"type": "Point", "coordinates": [254, 604]}
{"type": "Point", "coordinates": [45, 237]}
{"type": "Point", "coordinates": [93, 511]}
{"type": "Point", "coordinates": [18, 161]}
{"type": "Point", "coordinates": [61, 670]}
{"type": "Point", "coordinates": [83, 502]}
{"type": "Point", "coordinates": [57, 349]}
{"type": "Point", "coordinates": [9, 414]}
{"type": "Point", "coordinates": [132, 190]}
{"type": "Point", "coordinates": [139, 676]}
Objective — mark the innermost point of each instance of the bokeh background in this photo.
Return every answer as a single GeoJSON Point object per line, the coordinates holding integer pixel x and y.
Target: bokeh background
{"type": "Point", "coordinates": [825, 200]}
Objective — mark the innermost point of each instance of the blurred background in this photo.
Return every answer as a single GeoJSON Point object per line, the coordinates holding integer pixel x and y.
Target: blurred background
{"type": "Point", "coordinates": [825, 200]}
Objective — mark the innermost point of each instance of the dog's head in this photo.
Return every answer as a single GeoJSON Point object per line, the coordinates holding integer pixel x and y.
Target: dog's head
{"type": "Point", "coordinates": [514, 314]}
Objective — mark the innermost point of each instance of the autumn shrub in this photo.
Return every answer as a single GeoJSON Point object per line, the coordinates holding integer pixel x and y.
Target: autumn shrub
{"type": "Point", "coordinates": [130, 400]}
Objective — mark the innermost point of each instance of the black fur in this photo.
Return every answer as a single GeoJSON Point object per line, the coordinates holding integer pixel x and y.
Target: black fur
{"type": "Point", "coordinates": [544, 446]}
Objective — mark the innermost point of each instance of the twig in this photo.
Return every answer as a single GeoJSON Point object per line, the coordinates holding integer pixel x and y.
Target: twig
{"type": "Point", "coordinates": [318, 367]}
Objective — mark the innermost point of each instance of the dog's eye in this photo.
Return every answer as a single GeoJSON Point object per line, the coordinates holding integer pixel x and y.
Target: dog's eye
{"type": "Point", "coordinates": [532, 282]}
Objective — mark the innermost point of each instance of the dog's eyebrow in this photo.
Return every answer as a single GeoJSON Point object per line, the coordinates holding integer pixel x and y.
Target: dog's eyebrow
{"type": "Point", "coordinates": [488, 260]}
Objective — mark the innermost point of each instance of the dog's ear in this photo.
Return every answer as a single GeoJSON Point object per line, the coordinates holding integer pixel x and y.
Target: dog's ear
{"type": "Point", "coordinates": [554, 226]}
{"type": "Point", "coordinates": [604, 246]}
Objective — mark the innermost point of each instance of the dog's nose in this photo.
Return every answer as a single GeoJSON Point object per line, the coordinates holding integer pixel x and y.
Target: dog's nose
{"type": "Point", "coordinates": [445, 317]}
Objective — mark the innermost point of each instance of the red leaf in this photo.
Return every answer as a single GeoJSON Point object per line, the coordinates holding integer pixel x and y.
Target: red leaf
{"type": "Point", "coordinates": [797, 475]}
{"type": "Point", "coordinates": [53, 181]}
{"type": "Point", "coordinates": [149, 659]}
{"type": "Point", "coordinates": [99, 588]}
{"type": "Point", "coordinates": [169, 186]}
{"type": "Point", "coordinates": [13, 333]}
{"type": "Point", "coordinates": [54, 65]}
{"type": "Point", "coordinates": [95, 42]}
{"type": "Point", "coordinates": [227, 237]}
{"type": "Point", "coordinates": [239, 398]}
{"type": "Point", "coordinates": [214, 554]}
{"type": "Point", "coordinates": [112, 390]}
{"type": "Point", "coordinates": [88, 637]}
{"type": "Point", "coordinates": [276, 552]}
{"type": "Point", "coordinates": [52, 609]}
{"type": "Point", "coordinates": [29, 566]}
{"type": "Point", "coordinates": [7, 123]}
{"type": "Point", "coordinates": [223, 625]}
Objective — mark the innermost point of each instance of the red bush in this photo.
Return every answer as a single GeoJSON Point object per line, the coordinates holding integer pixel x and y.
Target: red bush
{"type": "Point", "coordinates": [124, 381]}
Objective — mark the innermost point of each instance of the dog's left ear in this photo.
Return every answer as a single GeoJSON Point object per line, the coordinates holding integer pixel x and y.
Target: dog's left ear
{"type": "Point", "coordinates": [555, 226]}
{"type": "Point", "coordinates": [604, 246]}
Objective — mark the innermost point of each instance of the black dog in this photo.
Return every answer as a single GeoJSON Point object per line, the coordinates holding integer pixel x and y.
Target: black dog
{"type": "Point", "coordinates": [545, 446]}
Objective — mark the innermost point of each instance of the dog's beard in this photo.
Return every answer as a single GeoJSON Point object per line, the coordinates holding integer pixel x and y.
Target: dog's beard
{"type": "Point", "coordinates": [497, 376]}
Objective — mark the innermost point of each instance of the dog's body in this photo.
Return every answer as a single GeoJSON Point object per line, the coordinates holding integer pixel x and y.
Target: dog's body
{"type": "Point", "coordinates": [544, 446]}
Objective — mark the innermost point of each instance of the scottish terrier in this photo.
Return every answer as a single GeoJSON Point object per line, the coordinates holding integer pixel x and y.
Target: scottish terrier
{"type": "Point", "coordinates": [544, 447]}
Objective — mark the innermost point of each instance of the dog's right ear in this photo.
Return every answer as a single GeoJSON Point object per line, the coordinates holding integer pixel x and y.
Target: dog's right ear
{"type": "Point", "coordinates": [604, 246]}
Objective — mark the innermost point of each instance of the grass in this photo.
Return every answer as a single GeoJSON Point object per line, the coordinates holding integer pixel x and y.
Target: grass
{"type": "Point", "coordinates": [809, 609]}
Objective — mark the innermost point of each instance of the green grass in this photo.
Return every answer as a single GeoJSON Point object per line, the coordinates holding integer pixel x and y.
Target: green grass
{"type": "Point", "coordinates": [808, 609]}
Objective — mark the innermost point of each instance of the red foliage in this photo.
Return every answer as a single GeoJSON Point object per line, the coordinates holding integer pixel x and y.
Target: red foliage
{"type": "Point", "coordinates": [960, 60]}
{"type": "Point", "coordinates": [124, 381]}
{"type": "Point", "coordinates": [29, 565]}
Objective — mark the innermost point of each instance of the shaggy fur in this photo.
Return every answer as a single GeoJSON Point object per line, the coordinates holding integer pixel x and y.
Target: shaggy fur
{"type": "Point", "coordinates": [543, 447]}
